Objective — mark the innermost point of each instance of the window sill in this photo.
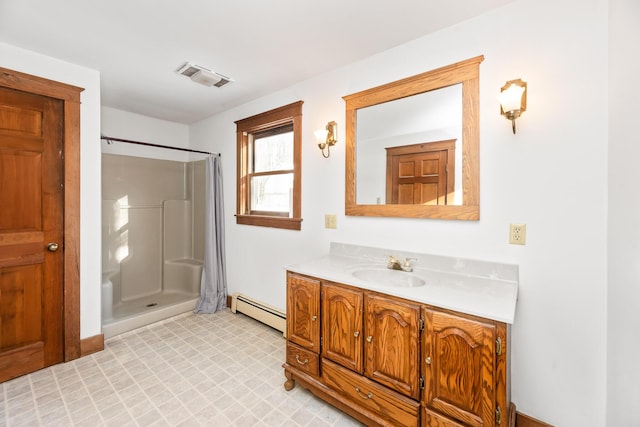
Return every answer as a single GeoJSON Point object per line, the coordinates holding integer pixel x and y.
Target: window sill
{"type": "Point", "coordinates": [270, 221]}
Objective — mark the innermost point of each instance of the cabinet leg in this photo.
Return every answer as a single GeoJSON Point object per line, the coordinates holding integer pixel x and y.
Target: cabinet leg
{"type": "Point", "coordinates": [290, 382]}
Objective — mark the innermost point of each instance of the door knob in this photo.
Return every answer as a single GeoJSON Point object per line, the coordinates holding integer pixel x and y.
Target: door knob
{"type": "Point", "coordinates": [52, 247]}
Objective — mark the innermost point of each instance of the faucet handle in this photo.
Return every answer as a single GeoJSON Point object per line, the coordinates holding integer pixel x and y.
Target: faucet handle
{"type": "Point", "coordinates": [407, 264]}
{"type": "Point", "coordinates": [393, 263]}
{"type": "Point", "coordinates": [407, 261]}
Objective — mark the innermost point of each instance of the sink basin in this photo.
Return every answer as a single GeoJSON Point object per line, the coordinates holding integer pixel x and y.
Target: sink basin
{"type": "Point", "coordinates": [387, 277]}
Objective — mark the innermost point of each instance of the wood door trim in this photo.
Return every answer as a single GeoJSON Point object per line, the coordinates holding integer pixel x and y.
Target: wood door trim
{"type": "Point", "coordinates": [70, 96]}
{"type": "Point", "coordinates": [91, 345]}
{"type": "Point", "coordinates": [523, 420]}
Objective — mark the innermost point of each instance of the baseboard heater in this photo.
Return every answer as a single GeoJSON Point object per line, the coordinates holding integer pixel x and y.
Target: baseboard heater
{"type": "Point", "coordinates": [260, 311]}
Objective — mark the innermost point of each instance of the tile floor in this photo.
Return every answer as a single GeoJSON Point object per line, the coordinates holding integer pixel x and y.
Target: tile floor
{"type": "Point", "coordinates": [219, 369]}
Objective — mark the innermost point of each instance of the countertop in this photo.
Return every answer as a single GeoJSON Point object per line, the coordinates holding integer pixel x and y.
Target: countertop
{"type": "Point", "coordinates": [480, 288]}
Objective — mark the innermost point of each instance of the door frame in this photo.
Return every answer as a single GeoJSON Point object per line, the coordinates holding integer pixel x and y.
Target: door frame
{"type": "Point", "coordinates": [70, 97]}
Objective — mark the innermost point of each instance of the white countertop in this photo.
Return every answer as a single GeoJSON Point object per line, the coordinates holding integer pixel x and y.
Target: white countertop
{"type": "Point", "coordinates": [480, 288]}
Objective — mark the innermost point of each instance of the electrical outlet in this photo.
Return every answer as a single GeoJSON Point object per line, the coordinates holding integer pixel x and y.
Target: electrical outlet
{"type": "Point", "coordinates": [517, 234]}
{"type": "Point", "coordinates": [330, 221]}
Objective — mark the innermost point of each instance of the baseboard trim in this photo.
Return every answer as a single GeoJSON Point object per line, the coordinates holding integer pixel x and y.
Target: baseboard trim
{"type": "Point", "coordinates": [228, 301]}
{"type": "Point", "coordinates": [91, 345]}
{"type": "Point", "coordinates": [523, 420]}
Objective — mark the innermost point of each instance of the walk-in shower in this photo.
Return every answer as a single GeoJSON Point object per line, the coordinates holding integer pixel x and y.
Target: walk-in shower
{"type": "Point", "coordinates": [152, 239]}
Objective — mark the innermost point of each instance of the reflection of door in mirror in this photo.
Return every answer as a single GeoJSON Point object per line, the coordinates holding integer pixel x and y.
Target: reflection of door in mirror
{"type": "Point", "coordinates": [429, 116]}
{"type": "Point", "coordinates": [421, 174]}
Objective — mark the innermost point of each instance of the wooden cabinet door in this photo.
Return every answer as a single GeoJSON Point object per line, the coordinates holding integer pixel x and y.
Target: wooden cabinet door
{"type": "Point", "coordinates": [303, 309]}
{"type": "Point", "coordinates": [392, 329]}
{"type": "Point", "coordinates": [459, 368]}
{"type": "Point", "coordinates": [342, 326]}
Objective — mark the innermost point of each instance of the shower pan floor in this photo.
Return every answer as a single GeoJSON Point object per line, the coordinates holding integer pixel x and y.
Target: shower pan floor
{"type": "Point", "coordinates": [135, 313]}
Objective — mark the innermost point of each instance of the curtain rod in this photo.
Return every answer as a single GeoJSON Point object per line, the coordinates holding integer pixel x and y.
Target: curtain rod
{"type": "Point", "coordinates": [148, 144]}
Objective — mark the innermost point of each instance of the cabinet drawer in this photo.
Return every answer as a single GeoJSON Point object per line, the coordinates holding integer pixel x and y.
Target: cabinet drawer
{"type": "Point", "coordinates": [303, 359]}
{"type": "Point", "coordinates": [433, 419]}
{"type": "Point", "coordinates": [388, 404]}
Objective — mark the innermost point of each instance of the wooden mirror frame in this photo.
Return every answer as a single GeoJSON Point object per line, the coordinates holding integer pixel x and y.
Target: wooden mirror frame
{"type": "Point", "coordinates": [468, 74]}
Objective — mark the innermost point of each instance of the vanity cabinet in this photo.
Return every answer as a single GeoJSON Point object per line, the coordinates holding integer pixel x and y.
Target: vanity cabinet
{"type": "Point", "coordinates": [342, 325]}
{"type": "Point", "coordinates": [389, 361]}
{"type": "Point", "coordinates": [464, 367]}
{"type": "Point", "coordinates": [392, 340]}
{"type": "Point", "coordinates": [372, 334]}
{"type": "Point", "coordinates": [303, 324]}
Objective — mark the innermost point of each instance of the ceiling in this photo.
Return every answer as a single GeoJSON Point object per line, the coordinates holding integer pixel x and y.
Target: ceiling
{"type": "Point", "coordinates": [264, 46]}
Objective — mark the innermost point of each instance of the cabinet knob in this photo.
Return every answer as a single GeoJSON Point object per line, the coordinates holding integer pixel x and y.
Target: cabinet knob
{"type": "Point", "coordinates": [356, 334]}
{"type": "Point", "coordinates": [314, 318]}
{"type": "Point", "coordinates": [369, 338]}
{"type": "Point", "coordinates": [428, 360]}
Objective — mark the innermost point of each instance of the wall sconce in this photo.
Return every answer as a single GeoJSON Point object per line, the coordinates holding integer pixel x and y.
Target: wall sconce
{"type": "Point", "coordinates": [327, 137]}
{"type": "Point", "coordinates": [513, 100]}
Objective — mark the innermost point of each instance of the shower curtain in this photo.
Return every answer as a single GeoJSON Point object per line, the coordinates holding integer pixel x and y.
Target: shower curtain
{"type": "Point", "coordinates": [213, 284]}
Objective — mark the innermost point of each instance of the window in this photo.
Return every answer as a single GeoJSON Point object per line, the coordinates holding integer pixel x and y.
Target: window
{"type": "Point", "coordinates": [269, 168]}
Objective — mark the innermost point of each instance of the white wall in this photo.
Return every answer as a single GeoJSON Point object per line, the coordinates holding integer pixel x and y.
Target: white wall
{"type": "Point", "coordinates": [623, 385]}
{"type": "Point", "coordinates": [54, 69]}
{"type": "Point", "coordinates": [551, 175]}
{"type": "Point", "coordinates": [135, 127]}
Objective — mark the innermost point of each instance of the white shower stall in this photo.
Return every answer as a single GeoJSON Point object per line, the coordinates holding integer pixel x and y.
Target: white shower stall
{"type": "Point", "coordinates": [152, 239]}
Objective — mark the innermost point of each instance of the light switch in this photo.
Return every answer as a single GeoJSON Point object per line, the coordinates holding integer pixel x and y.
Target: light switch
{"type": "Point", "coordinates": [330, 221]}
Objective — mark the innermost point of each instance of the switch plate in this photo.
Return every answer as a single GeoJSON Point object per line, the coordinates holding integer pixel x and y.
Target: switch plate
{"type": "Point", "coordinates": [330, 221]}
{"type": "Point", "coordinates": [518, 234]}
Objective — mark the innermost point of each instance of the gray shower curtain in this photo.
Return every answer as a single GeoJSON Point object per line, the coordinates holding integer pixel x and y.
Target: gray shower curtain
{"type": "Point", "coordinates": [213, 285]}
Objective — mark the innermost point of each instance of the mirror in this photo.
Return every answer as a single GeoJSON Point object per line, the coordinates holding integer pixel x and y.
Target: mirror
{"type": "Point", "coordinates": [412, 146]}
{"type": "Point", "coordinates": [403, 136]}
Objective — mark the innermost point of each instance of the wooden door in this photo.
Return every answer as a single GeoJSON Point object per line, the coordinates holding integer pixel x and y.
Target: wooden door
{"type": "Point", "coordinates": [303, 309]}
{"type": "Point", "coordinates": [342, 326]}
{"type": "Point", "coordinates": [459, 369]}
{"type": "Point", "coordinates": [392, 347]}
{"type": "Point", "coordinates": [421, 174]}
{"type": "Point", "coordinates": [31, 222]}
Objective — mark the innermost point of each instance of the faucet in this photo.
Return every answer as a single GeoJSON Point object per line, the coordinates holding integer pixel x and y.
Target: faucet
{"type": "Point", "coordinates": [394, 264]}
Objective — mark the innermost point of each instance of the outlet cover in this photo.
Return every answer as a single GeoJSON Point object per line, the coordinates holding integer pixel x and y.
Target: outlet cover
{"type": "Point", "coordinates": [330, 221]}
{"type": "Point", "coordinates": [518, 234]}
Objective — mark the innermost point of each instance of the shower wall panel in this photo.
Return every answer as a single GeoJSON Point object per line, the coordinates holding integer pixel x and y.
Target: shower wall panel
{"type": "Point", "coordinates": [141, 269]}
{"type": "Point", "coordinates": [197, 174]}
{"type": "Point", "coordinates": [134, 190]}
{"type": "Point", "coordinates": [177, 229]}
{"type": "Point", "coordinates": [138, 181]}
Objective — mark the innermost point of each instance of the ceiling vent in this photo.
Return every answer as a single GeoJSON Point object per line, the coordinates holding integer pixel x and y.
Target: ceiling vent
{"type": "Point", "coordinates": [202, 75]}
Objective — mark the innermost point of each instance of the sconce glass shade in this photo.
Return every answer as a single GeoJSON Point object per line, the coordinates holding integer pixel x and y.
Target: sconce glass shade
{"type": "Point", "coordinates": [321, 136]}
{"type": "Point", "coordinates": [513, 100]}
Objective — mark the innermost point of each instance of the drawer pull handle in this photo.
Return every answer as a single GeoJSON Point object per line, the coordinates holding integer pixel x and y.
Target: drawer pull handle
{"type": "Point", "coordinates": [369, 338]}
{"type": "Point", "coordinates": [362, 395]}
{"type": "Point", "coordinates": [300, 361]}
{"type": "Point", "coordinates": [356, 334]}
